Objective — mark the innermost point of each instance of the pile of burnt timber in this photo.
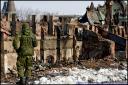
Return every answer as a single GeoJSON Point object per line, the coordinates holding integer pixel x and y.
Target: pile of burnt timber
{"type": "Point", "coordinates": [94, 47]}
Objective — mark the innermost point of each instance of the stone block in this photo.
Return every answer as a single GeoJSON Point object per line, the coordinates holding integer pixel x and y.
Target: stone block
{"type": "Point", "coordinates": [78, 48]}
{"type": "Point", "coordinates": [10, 60]}
{"type": "Point", "coordinates": [49, 43]}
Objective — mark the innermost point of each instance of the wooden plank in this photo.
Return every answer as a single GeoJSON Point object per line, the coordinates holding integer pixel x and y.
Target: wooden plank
{"type": "Point", "coordinates": [34, 24]}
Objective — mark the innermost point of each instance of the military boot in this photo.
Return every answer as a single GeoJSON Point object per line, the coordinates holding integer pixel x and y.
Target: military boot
{"type": "Point", "coordinates": [27, 81]}
{"type": "Point", "coordinates": [22, 81]}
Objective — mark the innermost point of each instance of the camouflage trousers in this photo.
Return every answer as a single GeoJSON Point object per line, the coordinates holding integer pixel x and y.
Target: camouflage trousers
{"type": "Point", "coordinates": [24, 65]}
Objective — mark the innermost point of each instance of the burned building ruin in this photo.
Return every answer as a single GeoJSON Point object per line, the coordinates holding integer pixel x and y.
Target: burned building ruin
{"type": "Point", "coordinates": [64, 38]}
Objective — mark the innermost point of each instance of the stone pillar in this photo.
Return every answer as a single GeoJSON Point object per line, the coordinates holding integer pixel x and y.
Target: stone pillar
{"type": "Point", "coordinates": [112, 47]}
{"type": "Point", "coordinates": [13, 25]}
{"type": "Point", "coordinates": [34, 24]}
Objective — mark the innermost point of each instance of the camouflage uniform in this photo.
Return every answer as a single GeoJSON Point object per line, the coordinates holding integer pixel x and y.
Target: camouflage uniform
{"type": "Point", "coordinates": [24, 46]}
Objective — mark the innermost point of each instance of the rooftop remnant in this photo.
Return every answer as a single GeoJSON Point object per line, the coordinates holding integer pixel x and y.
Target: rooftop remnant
{"type": "Point", "coordinates": [110, 12]}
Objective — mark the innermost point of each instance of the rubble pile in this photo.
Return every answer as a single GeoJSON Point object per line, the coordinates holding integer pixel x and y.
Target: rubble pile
{"type": "Point", "coordinates": [84, 72]}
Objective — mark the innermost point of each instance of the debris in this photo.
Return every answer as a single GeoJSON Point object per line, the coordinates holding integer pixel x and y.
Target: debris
{"type": "Point", "coordinates": [87, 76]}
{"type": "Point", "coordinates": [12, 71]}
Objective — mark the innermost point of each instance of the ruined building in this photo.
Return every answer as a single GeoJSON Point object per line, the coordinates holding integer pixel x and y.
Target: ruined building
{"type": "Point", "coordinates": [111, 17]}
{"type": "Point", "coordinates": [64, 38]}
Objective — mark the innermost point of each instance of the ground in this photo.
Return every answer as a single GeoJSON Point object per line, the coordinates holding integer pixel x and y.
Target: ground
{"type": "Point", "coordinates": [83, 69]}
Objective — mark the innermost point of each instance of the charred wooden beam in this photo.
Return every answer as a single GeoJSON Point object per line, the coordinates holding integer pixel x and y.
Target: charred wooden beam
{"type": "Point", "coordinates": [50, 25]}
{"type": "Point", "coordinates": [13, 25]}
{"type": "Point", "coordinates": [58, 44]}
{"type": "Point", "coordinates": [34, 24]}
{"type": "Point", "coordinates": [41, 45]}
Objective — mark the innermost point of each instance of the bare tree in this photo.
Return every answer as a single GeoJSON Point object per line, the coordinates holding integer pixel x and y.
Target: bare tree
{"type": "Point", "coordinates": [24, 13]}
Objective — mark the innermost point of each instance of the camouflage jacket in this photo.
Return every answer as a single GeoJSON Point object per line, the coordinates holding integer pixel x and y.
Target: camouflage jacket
{"type": "Point", "coordinates": [25, 42]}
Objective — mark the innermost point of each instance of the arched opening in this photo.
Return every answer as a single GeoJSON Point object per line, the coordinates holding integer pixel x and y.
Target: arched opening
{"type": "Point", "coordinates": [50, 59]}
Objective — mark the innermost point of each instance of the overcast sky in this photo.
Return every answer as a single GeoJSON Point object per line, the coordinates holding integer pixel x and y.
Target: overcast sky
{"type": "Point", "coordinates": [61, 7]}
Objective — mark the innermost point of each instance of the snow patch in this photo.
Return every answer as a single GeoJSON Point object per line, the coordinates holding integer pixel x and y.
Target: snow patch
{"type": "Point", "coordinates": [76, 76]}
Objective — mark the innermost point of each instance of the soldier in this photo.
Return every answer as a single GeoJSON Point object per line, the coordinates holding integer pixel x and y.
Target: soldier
{"type": "Point", "coordinates": [24, 46]}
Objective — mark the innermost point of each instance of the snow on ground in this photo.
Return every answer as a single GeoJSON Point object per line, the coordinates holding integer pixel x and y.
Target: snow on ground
{"type": "Point", "coordinates": [76, 76]}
